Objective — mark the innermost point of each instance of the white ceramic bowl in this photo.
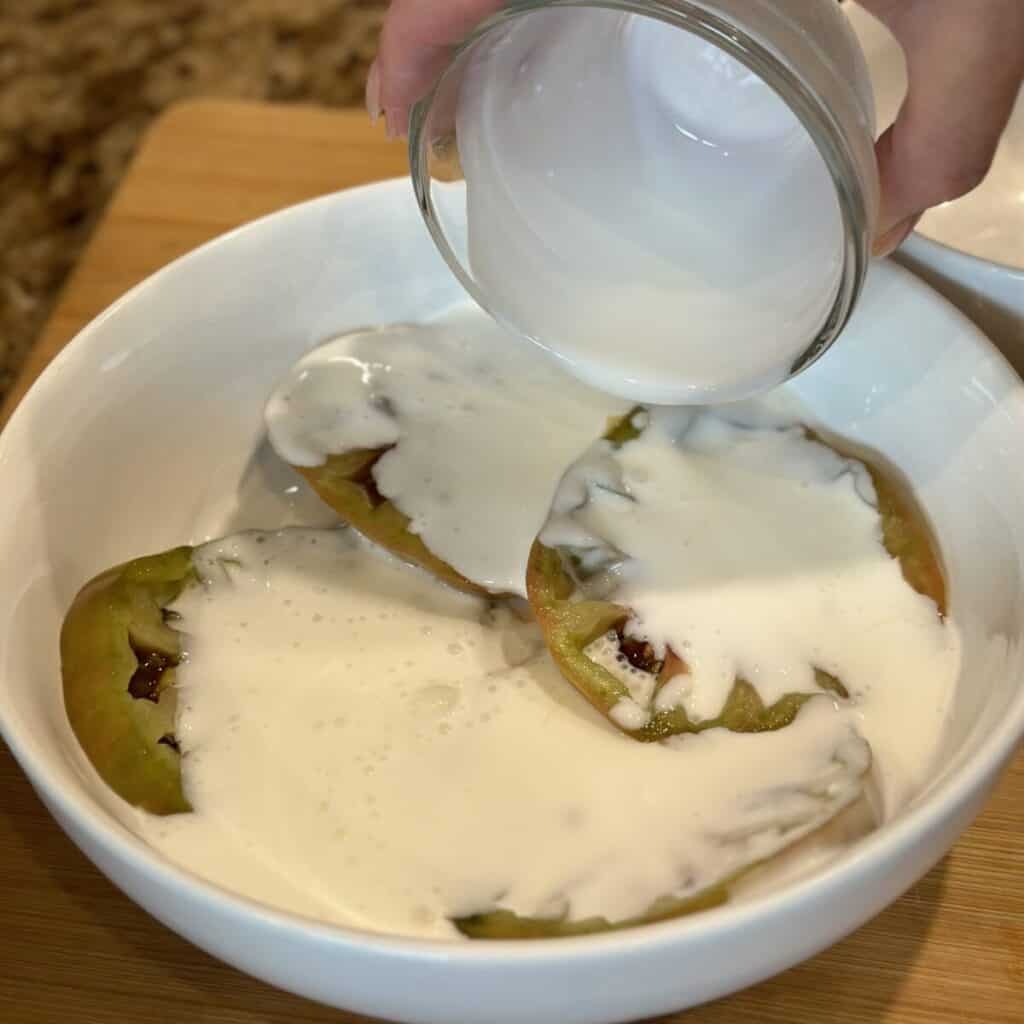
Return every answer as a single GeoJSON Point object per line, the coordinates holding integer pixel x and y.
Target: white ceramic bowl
{"type": "Point", "coordinates": [991, 294]}
{"type": "Point", "coordinates": [147, 429]}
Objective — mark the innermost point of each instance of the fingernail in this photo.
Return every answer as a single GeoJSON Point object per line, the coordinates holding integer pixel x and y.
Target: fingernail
{"type": "Point", "coordinates": [396, 121]}
{"type": "Point", "coordinates": [373, 106]}
{"type": "Point", "coordinates": [895, 236]}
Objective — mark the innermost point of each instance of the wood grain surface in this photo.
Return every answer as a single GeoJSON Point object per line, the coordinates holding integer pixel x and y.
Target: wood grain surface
{"type": "Point", "coordinates": [73, 949]}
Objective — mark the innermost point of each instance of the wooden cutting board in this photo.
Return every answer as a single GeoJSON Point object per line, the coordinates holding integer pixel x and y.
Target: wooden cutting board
{"type": "Point", "coordinates": [73, 949]}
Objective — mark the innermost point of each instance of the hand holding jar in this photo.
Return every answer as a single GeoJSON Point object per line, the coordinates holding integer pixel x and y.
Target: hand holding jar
{"type": "Point", "coordinates": [965, 61]}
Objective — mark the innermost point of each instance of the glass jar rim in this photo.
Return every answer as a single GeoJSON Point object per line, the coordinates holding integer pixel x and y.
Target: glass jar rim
{"type": "Point", "coordinates": [816, 116]}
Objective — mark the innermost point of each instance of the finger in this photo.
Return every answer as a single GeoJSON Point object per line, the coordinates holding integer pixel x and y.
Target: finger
{"type": "Point", "coordinates": [415, 46]}
{"type": "Point", "coordinates": [964, 64]}
{"type": "Point", "coordinates": [889, 241]}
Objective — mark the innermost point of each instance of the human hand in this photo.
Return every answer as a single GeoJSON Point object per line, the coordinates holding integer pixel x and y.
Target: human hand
{"type": "Point", "coordinates": [965, 62]}
{"type": "Point", "coordinates": [415, 46]}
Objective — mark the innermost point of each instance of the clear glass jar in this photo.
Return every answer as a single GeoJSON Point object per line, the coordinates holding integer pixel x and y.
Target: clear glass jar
{"type": "Point", "coordinates": [675, 197]}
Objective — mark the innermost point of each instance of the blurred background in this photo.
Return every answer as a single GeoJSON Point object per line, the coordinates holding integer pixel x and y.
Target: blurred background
{"type": "Point", "coordinates": [80, 80]}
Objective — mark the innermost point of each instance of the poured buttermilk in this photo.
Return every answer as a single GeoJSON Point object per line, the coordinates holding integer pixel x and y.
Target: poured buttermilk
{"type": "Point", "coordinates": [367, 747]}
{"type": "Point", "coordinates": [481, 430]}
{"type": "Point", "coordinates": [756, 553]}
{"type": "Point", "coordinates": [644, 206]}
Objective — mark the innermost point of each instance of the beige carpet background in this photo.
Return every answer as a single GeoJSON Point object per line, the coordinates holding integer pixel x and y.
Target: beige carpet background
{"type": "Point", "coordinates": [81, 79]}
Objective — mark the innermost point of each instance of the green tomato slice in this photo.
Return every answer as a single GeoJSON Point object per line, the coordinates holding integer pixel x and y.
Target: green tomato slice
{"type": "Point", "coordinates": [118, 657]}
{"type": "Point", "coordinates": [571, 622]}
{"type": "Point", "coordinates": [345, 483]}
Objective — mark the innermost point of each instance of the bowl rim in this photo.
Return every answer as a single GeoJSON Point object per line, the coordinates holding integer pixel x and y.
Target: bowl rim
{"type": "Point", "coordinates": [976, 264]}
{"type": "Point", "coordinates": [102, 828]}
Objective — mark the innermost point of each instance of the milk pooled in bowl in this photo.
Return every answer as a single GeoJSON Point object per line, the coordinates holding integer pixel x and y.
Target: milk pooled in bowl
{"type": "Point", "coordinates": [364, 745]}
